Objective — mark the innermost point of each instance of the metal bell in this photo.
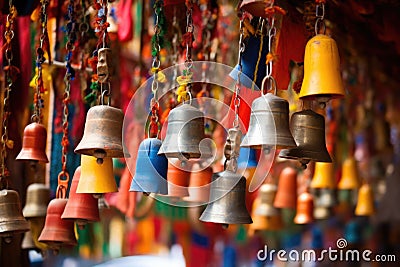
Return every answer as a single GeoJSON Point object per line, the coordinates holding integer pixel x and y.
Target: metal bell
{"type": "Point", "coordinates": [365, 202]}
{"type": "Point", "coordinates": [308, 128]}
{"type": "Point", "coordinates": [102, 137]}
{"type": "Point", "coordinates": [11, 219]}
{"type": "Point", "coordinates": [266, 194]}
{"type": "Point", "coordinates": [323, 176]}
{"type": "Point", "coordinates": [34, 143]}
{"type": "Point", "coordinates": [199, 185]}
{"type": "Point", "coordinates": [349, 178]}
{"type": "Point", "coordinates": [37, 199]}
{"type": "Point", "coordinates": [269, 123]}
{"type": "Point", "coordinates": [305, 209]}
{"type": "Point", "coordinates": [286, 196]}
{"type": "Point", "coordinates": [227, 200]}
{"type": "Point", "coordinates": [184, 134]}
{"type": "Point", "coordinates": [57, 232]}
{"type": "Point", "coordinates": [27, 242]}
{"type": "Point", "coordinates": [322, 78]}
{"type": "Point", "coordinates": [96, 178]}
{"type": "Point", "coordinates": [151, 169]}
{"type": "Point", "coordinates": [82, 208]}
{"type": "Point", "coordinates": [178, 179]}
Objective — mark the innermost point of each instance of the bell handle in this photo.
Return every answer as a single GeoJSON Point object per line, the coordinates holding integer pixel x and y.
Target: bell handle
{"type": "Point", "coordinates": [62, 185]}
{"type": "Point", "coordinates": [272, 83]}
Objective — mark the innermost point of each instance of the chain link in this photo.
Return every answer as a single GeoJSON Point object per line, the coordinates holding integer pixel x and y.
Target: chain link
{"type": "Point", "coordinates": [236, 101]}
{"type": "Point", "coordinates": [320, 15]}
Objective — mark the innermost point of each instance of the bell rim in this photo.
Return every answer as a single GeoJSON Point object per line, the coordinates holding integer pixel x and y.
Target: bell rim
{"type": "Point", "coordinates": [288, 154]}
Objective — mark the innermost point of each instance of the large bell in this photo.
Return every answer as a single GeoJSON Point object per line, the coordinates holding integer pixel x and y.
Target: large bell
{"type": "Point", "coordinates": [96, 178]}
{"type": "Point", "coordinates": [151, 169]}
{"type": "Point", "coordinates": [308, 129]}
{"type": "Point", "coordinates": [34, 143]}
{"type": "Point", "coordinates": [269, 124]}
{"type": "Point", "coordinates": [323, 176]}
{"type": "Point", "coordinates": [102, 137]}
{"type": "Point", "coordinates": [365, 202]}
{"type": "Point", "coordinates": [227, 200]}
{"type": "Point", "coordinates": [349, 178]}
{"type": "Point", "coordinates": [305, 209]}
{"type": "Point", "coordinates": [11, 219]}
{"type": "Point", "coordinates": [286, 196]}
{"type": "Point", "coordinates": [178, 179]}
{"type": "Point", "coordinates": [185, 133]}
{"type": "Point", "coordinates": [57, 232]}
{"type": "Point", "coordinates": [199, 185]}
{"type": "Point", "coordinates": [82, 208]}
{"type": "Point", "coordinates": [322, 78]}
{"type": "Point", "coordinates": [37, 199]}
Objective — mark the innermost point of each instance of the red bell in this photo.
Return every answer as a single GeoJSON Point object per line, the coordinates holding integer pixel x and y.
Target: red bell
{"type": "Point", "coordinates": [57, 232]}
{"type": "Point", "coordinates": [82, 207]}
{"type": "Point", "coordinates": [34, 143]}
{"type": "Point", "coordinates": [286, 196]}
{"type": "Point", "coordinates": [178, 179]}
{"type": "Point", "coordinates": [199, 186]}
{"type": "Point", "coordinates": [305, 209]}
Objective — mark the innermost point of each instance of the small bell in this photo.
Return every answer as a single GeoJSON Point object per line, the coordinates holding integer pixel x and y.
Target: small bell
{"type": "Point", "coordinates": [305, 209]}
{"type": "Point", "coordinates": [365, 202]}
{"type": "Point", "coordinates": [286, 196]}
{"type": "Point", "coordinates": [324, 197]}
{"type": "Point", "coordinates": [11, 220]}
{"type": "Point", "coordinates": [322, 79]}
{"type": "Point", "coordinates": [102, 137]}
{"type": "Point", "coordinates": [37, 199]}
{"type": "Point", "coordinates": [151, 169]}
{"type": "Point", "coordinates": [323, 176]}
{"type": "Point", "coordinates": [227, 200]}
{"type": "Point", "coordinates": [82, 208]}
{"type": "Point", "coordinates": [321, 213]}
{"type": "Point", "coordinates": [34, 143]}
{"type": "Point", "coordinates": [349, 178]}
{"type": "Point", "coordinates": [96, 178]}
{"type": "Point", "coordinates": [184, 135]}
{"type": "Point", "coordinates": [199, 186]}
{"type": "Point", "coordinates": [27, 242]}
{"type": "Point", "coordinates": [178, 179]}
{"type": "Point", "coordinates": [308, 129]}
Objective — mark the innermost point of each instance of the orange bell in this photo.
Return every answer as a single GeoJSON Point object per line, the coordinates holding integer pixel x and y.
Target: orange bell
{"type": "Point", "coordinates": [82, 208]}
{"type": "Point", "coordinates": [365, 202]}
{"type": "Point", "coordinates": [323, 176]}
{"type": "Point", "coordinates": [287, 189]}
{"type": "Point", "coordinates": [178, 179]}
{"type": "Point", "coordinates": [34, 143]}
{"type": "Point", "coordinates": [305, 209]}
{"type": "Point", "coordinates": [349, 178]}
{"type": "Point", "coordinates": [199, 186]}
{"type": "Point", "coordinates": [57, 232]}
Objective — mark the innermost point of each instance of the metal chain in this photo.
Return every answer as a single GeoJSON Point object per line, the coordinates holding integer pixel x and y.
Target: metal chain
{"type": "Point", "coordinates": [320, 15]}
{"type": "Point", "coordinates": [105, 89]}
{"type": "Point", "coordinates": [189, 30]}
{"type": "Point", "coordinates": [237, 85]}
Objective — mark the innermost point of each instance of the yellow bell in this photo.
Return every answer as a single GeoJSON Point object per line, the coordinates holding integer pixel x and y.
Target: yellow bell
{"type": "Point", "coordinates": [365, 202]}
{"type": "Point", "coordinates": [323, 176]}
{"type": "Point", "coordinates": [349, 178]}
{"type": "Point", "coordinates": [96, 178]}
{"type": "Point", "coordinates": [322, 79]}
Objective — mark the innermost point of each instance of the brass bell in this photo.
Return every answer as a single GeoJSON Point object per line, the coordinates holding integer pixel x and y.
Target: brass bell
{"type": "Point", "coordinates": [322, 79]}
{"type": "Point", "coordinates": [227, 204]}
{"type": "Point", "coordinates": [365, 202]}
{"type": "Point", "coordinates": [308, 129]}
{"type": "Point", "coordinates": [178, 179]}
{"type": "Point", "coordinates": [102, 137]}
{"type": "Point", "coordinates": [305, 209]}
{"type": "Point", "coordinates": [11, 219]}
{"type": "Point", "coordinates": [27, 242]}
{"type": "Point", "coordinates": [37, 199]}
{"type": "Point", "coordinates": [34, 143]}
{"type": "Point", "coordinates": [96, 178]}
{"type": "Point", "coordinates": [323, 176]}
{"type": "Point", "coordinates": [82, 208]}
{"type": "Point", "coordinates": [185, 133]}
{"type": "Point", "coordinates": [199, 185]}
{"type": "Point", "coordinates": [286, 196]}
{"type": "Point", "coordinates": [57, 232]}
{"type": "Point", "coordinates": [269, 124]}
{"type": "Point", "coordinates": [349, 178]}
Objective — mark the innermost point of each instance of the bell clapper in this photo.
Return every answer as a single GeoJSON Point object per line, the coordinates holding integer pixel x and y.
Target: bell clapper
{"type": "Point", "coordinates": [99, 154]}
{"type": "Point", "coordinates": [98, 196]}
{"type": "Point", "coordinates": [81, 223]}
{"type": "Point", "coordinates": [304, 163]}
{"type": "Point", "coordinates": [266, 150]}
{"type": "Point", "coordinates": [8, 239]}
{"type": "Point", "coordinates": [225, 226]}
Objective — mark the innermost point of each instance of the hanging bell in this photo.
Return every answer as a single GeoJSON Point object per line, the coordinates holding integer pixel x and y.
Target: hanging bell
{"type": "Point", "coordinates": [185, 133]}
{"type": "Point", "coordinates": [286, 196]}
{"type": "Point", "coordinates": [321, 213]}
{"type": "Point", "coordinates": [255, 7]}
{"type": "Point", "coordinates": [308, 128]}
{"type": "Point", "coordinates": [102, 137]}
{"type": "Point", "coordinates": [269, 124]}
{"type": "Point", "coordinates": [82, 208]}
{"type": "Point", "coordinates": [37, 199]}
{"type": "Point", "coordinates": [322, 79]}
{"type": "Point", "coordinates": [305, 209]}
{"type": "Point", "coordinates": [324, 197]}
{"type": "Point", "coordinates": [227, 204]}
{"type": "Point", "coordinates": [349, 178]}
{"type": "Point", "coordinates": [96, 178]}
{"type": "Point", "coordinates": [266, 194]}
{"type": "Point", "coordinates": [151, 169]}
{"type": "Point", "coordinates": [199, 185]}
{"type": "Point", "coordinates": [34, 143]}
{"type": "Point", "coordinates": [27, 242]}
{"type": "Point", "coordinates": [57, 232]}
{"type": "Point", "coordinates": [365, 202]}
{"type": "Point", "coordinates": [178, 179]}
{"type": "Point", "coordinates": [266, 223]}
{"type": "Point", "coordinates": [11, 219]}
{"type": "Point", "coordinates": [323, 176]}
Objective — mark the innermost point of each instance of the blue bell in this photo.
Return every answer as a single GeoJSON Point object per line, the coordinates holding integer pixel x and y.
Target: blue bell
{"type": "Point", "coordinates": [247, 158]}
{"type": "Point", "coordinates": [151, 169]}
